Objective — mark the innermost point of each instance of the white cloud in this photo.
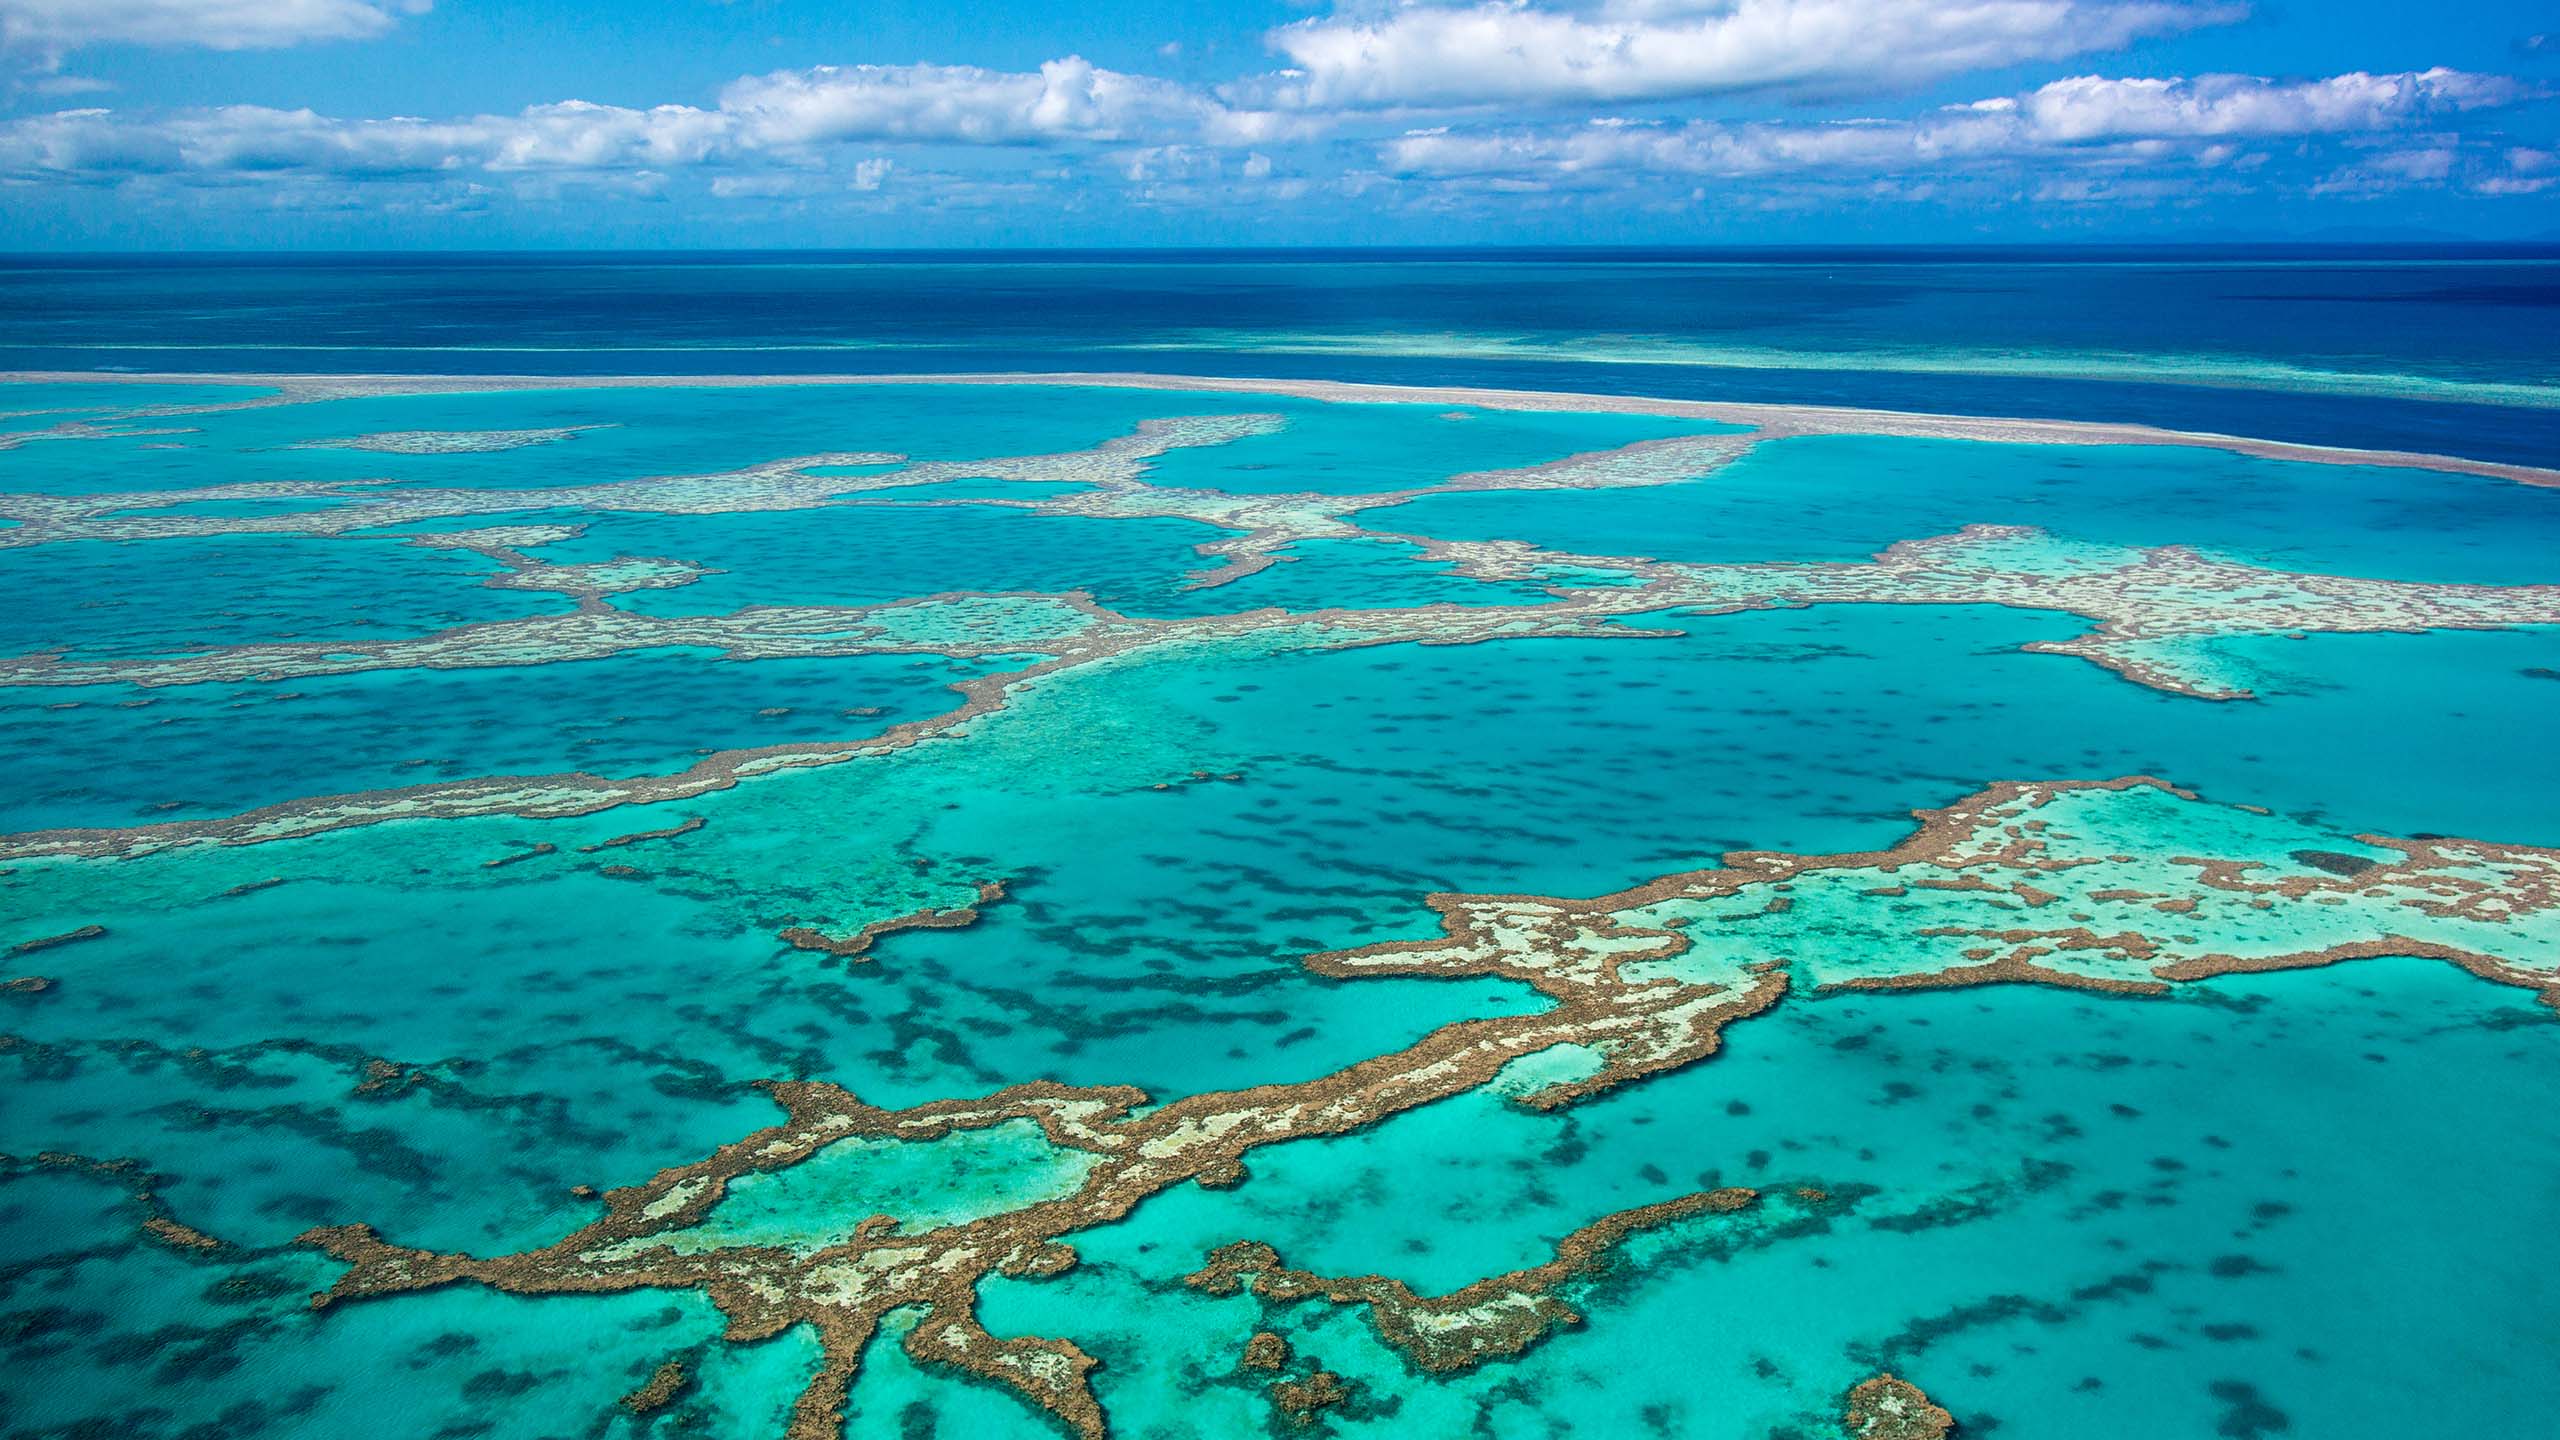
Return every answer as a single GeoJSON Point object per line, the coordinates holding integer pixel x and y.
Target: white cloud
{"type": "Point", "coordinates": [1168, 162]}
{"type": "Point", "coordinates": [1697, 148]}
{"type": "Point", "coordinates": [2086, 121]}
{"type": "Point", "coordinates": [2090, 108]}
{"type": "Point", "coordinates": [48, 29]}
{"type": "Point", "coordinates": [2430, 162]}
{"type": "Point", "coordinates": [1424, 55]}
{"type": "Point", "coordinates": [238, 140]}
{"type": "Point", "coordinates": [786, 119]}
{"type": "Point", "coordinates": [865, 176]}
{"type": "Point", "coordinates": [774, 186]}
{"type": "Point", "coordinates": [1065, 99]}
{"type": "Point", "coordinates": [1069, 128]}
{"type": "Point", "coordinates": [61, 84]}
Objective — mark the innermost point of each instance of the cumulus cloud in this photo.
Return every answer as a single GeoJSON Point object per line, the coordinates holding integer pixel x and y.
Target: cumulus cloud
{"type": "Point", "coordinates": [1426, 55]}
{"type": "Point", "coordinates": [787, 119]}
{"type": "Point", "coordinates": [2426, 162]}
{"type": "Point", "coordinates": [2090, 108]}
{"type": "Point", "coordinates": [57, 83]}
{"type": "Point", "coordinates": [249, 140]}
{"type": "Point", "coordinates": [2527, 171]}
{"type": "Point", "coordinates": [1053, 133]}
{"type": "Point", "coordinates": [1696, 148]}
{"type": "Point", "coordinates": [1065, 99]}
{"type": "Point", "coordinates": [48, 29]}
{"type": "Point", "coordinates": [2086, 119]}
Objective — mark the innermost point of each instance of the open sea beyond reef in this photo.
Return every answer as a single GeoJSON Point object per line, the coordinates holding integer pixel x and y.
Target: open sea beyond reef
{"type": "Point", "coordinates": [1370, 844]}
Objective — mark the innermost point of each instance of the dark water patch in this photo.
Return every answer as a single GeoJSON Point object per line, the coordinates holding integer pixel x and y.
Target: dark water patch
{"type": "Point", "coordinates": [2246, 1415]}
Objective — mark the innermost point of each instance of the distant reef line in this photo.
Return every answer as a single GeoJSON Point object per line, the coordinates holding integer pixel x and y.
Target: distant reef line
{"type": "Point", "coordinates": [1772, 420]}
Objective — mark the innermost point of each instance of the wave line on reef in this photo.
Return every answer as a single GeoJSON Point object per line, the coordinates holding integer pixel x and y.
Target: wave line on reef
{"type": "Point", "coordinates": [1772, 419]}
{"type": "Point", "coordinates": [2205, 371]}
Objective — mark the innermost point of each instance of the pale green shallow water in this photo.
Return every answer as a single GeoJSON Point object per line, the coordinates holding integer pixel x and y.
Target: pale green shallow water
{"type": "Point", "coordinates": [2304, 1203]}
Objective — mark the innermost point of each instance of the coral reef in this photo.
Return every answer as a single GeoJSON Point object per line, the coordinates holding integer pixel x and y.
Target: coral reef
{"type": "Point", "coordinates": [1502, 1315]}
{"type": "Point", "coordinates": [448, 442]}
{"type": "Point", "coordinates": [1644, 981]}
{"type": "Point", "coordinates": [1887, 1408]}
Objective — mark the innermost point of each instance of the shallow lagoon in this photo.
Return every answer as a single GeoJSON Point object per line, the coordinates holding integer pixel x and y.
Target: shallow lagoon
{"type": "Point", "coordinates": [89, 598]}
{"type": "Point", "coordinates": [1843, 497]}
{"type": "Point", "coordinates": [110, 755]}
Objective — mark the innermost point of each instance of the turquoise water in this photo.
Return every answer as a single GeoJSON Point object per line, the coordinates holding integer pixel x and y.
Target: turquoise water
{"type": "Point", "coordinates": [799, 558]}
{"type": "Point", "coordinates": [86, 596]}
{"type": "Point", "coordinates": [1843, 497]}
{"type": "Point", "coordinates": [1373, 449]}
{"type": "Point", "coordinates": [2311, 1198]}
{"type": "Point", "coordinates": [107, 755]}
{"type": "Point", "coordinates": [2091, 1217]}
{"type": "Point", "coordinates": [1319, 574]}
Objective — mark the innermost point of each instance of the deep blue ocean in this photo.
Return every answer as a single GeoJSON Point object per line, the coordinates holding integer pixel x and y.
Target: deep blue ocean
{"type": "Point", "coordinates": [2443, 348]}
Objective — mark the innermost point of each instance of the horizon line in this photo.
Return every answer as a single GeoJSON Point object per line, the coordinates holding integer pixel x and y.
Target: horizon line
{"type": "Point", "coordinates": [2542, 245]}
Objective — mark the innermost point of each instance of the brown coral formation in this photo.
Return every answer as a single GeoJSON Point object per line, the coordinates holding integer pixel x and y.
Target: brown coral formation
{"type": "Point", "coordinates": [580, 793]}
{"type": "Point", "coordinates": [1265, 1351]}
{"type": "Point", "coordinates": [687, 826]}
{"type": "Point", "coordinates": [80, 430]}
{"type": "Point", "coordinates": [1887, 1408]}
{"type": "Point", "coordinates": [141, 1187]}
{"type": "Point", "coordinates": [1634, 995]}
{"type": "Point", "coordinates": [795, 483]}
{"type": "Point", "coordinates": [660, 1390]}
{"type": "Point", "coordinates": [843, 1291]}
{"type": "Point", "coordinates": [1500, 1316]}
{"type": "Point", "coordinates": [958, 624]}
{"type": "Point", "coordinates": [1303, 1400]}
{"type": "Point", "coordinates": [858, 945]}
{"type": "Point", "coordinates": [1267, 524]}
{"type": "Point", "coordinates": [184, 1237]}
{"type": "Point", "coordinates": [67, 937]}
{"type": "Point", "coordinates": [2483, 885]}
{"type": "Point", "coordinates": [337, 507]}
{"type": "Point", "coordinates": [2147, 606]}
{"type": "Point", "coordinates": [588, 584]}
{"type": "Point", "coordinates": [448, 442]}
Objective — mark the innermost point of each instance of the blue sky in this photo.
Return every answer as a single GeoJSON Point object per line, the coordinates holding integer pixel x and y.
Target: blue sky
{"type": "Point", "coordinates": [475, 123]}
